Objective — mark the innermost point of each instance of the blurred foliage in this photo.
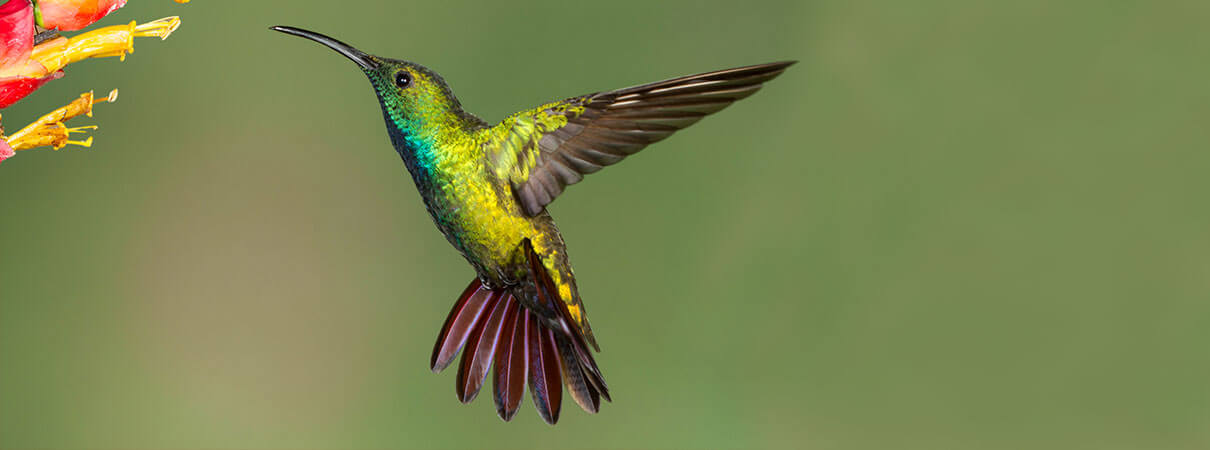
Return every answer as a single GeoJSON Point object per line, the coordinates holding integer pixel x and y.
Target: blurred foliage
{"type": "Point", "coordinates": [952, 225]}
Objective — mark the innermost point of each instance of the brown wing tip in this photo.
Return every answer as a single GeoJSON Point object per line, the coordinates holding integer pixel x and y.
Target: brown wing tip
{"type": "Point", "coordinates": [782, 65]}
{"type": "Point", "coordinates": [776, 65]}
{"type": "Point", "coordinates": [772, 68]}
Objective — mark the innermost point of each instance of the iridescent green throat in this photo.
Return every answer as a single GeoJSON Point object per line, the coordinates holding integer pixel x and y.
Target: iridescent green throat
{"type": "Point", "coordinates": [427, 126]}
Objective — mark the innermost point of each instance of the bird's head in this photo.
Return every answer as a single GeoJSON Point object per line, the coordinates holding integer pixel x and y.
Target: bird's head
{"type": "Point", "coordinates": [414, 99]}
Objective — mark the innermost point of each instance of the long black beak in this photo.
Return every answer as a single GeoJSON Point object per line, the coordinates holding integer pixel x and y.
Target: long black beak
{"type": "Point", "coordinates": [361, 58]}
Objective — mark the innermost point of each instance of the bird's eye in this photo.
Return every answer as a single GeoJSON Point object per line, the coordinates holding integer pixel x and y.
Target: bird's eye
{"type": "Point", "coordinates": [403, 79]}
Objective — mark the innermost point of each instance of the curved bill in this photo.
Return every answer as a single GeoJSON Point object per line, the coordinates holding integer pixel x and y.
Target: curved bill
{"type": "Point", "coordinates": [361, 58]}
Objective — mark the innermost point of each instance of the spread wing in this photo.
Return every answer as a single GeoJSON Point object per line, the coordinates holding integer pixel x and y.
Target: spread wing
{"type": "Point", "coordinates": [543, 150]}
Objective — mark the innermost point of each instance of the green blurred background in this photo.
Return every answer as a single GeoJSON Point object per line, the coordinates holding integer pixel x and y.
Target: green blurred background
{"type": "Point", "coordinates": [952, 225]}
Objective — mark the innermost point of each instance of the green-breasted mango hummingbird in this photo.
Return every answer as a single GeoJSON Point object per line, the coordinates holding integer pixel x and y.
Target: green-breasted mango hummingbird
{"type": "Point", "coordinates": [487, 187]}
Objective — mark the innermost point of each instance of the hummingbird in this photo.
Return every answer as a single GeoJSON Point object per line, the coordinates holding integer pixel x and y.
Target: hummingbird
{"type": "Point", "coordinates": [487, 187]}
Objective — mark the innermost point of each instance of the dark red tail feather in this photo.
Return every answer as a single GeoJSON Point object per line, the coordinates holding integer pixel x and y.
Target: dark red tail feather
{"type": "Point", "coordinates": [512, 357]}
{"type": "Point", "coordinates": [459, 324]}
{"type": "Point", "coordinates": [544, 383]}
{"type": "Point", "coordinates": [481, 347]}
{"type": "Point", "coordinates": [494, 327]}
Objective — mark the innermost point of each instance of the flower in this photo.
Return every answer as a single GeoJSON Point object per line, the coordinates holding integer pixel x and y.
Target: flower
{"type": "Point", "coordinates": [29, 57]}
{"type": "Point", "coordinates": [117, 40]}
{"type": "Point", "coordinates": [19, 75]}
{"type": "Point", "coordinates": [6, 151]}
{"type": "Point", "coordinates": [68, 15]}
{"type": "Point", "coordinates": [49, 130]}
{"type": "Point", "coordinates": [25, 67]}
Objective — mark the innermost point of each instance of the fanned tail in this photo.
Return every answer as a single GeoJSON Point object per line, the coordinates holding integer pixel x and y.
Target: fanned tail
{"type": "Point", "coordinates": [496, 328]}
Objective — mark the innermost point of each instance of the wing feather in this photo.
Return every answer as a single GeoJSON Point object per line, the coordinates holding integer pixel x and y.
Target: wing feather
{"type": "Point", "coordinates": [548, 148]}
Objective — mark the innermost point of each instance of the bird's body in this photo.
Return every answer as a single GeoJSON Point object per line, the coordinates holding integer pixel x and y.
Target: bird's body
{"type": "Point", "coordinates": [486, 188]}
{"type": "Point", "coordinates": [473, 206]}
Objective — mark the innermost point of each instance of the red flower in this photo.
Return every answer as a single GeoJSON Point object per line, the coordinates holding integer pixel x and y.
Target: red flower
{"type": "Point", "coordinates": [16, 42]}
{"type": "Point", "coordinates": [16, 31]}
{"type": "Point", "coordinates": [6, 152]}
{"type": "Point", "coordinates": [67, 15]}
{"type": "Point", "coordinates": [16, 88]}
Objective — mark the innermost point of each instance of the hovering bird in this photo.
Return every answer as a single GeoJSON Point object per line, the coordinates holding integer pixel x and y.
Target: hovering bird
{"type": "Point", "coordinates": [487, 187]}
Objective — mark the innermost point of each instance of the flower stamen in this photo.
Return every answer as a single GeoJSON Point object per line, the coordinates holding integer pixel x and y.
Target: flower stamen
{"type": "Point", "coordinates": [160, 28]}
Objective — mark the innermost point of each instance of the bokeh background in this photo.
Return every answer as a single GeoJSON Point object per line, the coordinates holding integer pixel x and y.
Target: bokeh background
{"type": "Point", "coordinates": [952, 225]}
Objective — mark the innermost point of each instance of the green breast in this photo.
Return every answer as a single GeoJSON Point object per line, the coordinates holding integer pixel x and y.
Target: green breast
{"type": "Point", "coordinates": [471, 207]}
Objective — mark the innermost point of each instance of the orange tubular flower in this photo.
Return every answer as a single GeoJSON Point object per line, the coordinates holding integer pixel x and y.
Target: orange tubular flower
{"type": "Point", "coordinates": [68, 15]}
